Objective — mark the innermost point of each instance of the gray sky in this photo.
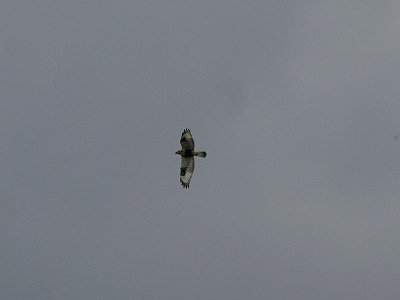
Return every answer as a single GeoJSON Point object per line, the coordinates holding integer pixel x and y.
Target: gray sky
{"type": "Point", "coordinates": [296, 103]}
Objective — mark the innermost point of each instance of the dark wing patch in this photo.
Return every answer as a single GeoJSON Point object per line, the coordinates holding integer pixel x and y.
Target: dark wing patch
{"type": "Point", "coordinates": [187, 141]}
{"type": "Point", "coordinates": [187, 168]}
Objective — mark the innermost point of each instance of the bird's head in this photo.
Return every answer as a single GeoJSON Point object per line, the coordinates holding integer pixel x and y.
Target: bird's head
{"type": "Point", "coordinates": [180, 152]}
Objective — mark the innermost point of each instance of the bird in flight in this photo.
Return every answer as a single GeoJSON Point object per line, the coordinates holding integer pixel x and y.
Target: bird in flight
{"type": "Point", "coordinates": [187, 153]}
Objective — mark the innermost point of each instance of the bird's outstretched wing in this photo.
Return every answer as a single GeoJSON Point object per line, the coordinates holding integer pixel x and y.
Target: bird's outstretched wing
{"type": "Point", "coordinates": [187, 141]}
{"type": "Point", "coordinates": [187, 168]}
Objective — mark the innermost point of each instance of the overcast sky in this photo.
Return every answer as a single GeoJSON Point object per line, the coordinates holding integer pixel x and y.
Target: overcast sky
{"type": "Point", "coordinates": [296, 103]}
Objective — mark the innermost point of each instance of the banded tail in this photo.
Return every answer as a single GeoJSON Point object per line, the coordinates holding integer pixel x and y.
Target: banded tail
{"type": "Point", "coordinates": [200, 154]}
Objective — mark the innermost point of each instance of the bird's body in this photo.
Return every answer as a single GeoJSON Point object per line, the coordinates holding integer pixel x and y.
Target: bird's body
{"type": "Point", "coordinates": [187, 152]}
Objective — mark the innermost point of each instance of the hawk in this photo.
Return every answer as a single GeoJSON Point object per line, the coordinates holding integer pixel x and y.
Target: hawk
{"type": "Point", "coordinates": [187, 153]}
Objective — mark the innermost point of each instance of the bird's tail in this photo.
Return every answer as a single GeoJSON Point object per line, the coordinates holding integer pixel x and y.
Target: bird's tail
{"type": "Point", "coordinates": [201, 154]}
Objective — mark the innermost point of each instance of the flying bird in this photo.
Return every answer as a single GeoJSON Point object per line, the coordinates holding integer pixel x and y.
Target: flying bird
{"type": "Point", "coordinates": [187, 153]}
